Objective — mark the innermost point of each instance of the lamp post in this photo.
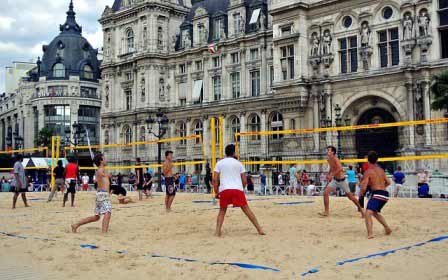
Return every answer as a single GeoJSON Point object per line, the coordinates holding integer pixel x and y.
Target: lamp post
{"type": "Point", "coordinates": [18, 140]}
{"type": "Point", "coordinates": [162, 121]}
{"type": "Point", "coordinates": [338, 123]}
{"type": "Point", "coordinates": [76, 135]}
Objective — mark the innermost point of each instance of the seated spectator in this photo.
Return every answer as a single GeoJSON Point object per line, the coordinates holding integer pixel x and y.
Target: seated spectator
{"type": "Point", "coordinates": [182, 182]}
{"type": "Point", "coordinates": [423, 191]}
{"type": "Point", "coordinates": [311, 189]}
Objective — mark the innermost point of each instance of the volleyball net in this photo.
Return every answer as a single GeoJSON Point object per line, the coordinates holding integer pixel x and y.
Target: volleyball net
{"type": "Point", "coordinates": [412, 144]}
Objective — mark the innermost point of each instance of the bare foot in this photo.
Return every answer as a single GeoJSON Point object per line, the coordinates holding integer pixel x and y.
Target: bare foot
{"type": "Point", "coordinates": [218, 234]}
{"type": "Point", "coordinates": [74, 228]}
{"type": "Point", "coordinates": [370, 237]}
{"type": "Point", "coordinates": [388, 231]}
{"type": "Point", "coordinates": [26, 205]}
{"type": "Point", "coordinates": [261, 232]}
{"type": "Point", "coordinates": [323, 214]}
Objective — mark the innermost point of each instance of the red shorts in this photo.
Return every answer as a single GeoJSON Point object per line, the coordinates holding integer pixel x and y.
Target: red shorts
{"type": "Point", "coordinates": [234, 197]}
{"type": "Point", "coordinates": [85, 186]}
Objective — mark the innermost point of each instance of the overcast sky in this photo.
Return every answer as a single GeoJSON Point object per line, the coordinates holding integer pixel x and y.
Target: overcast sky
{"type": "Point", "coordinates": [25, 25]}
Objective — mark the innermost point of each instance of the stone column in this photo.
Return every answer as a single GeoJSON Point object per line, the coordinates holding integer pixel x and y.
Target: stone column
{"type": "Point", "coordinates": [264, 138]}
{"type": "Point", "coordinates": [243, 140]}
{"type": "Point", "coordinates": [224, 133]}
{"type": "Point", "coordinates": [410, 107]}
{"type": "Point", "coordinates": [206, 135]}
{"type": "Point", "coordinates": [328, 113]}
{"type": "Point", "coordinates": [427, 111]}
{"type": "Point", "coordinates": [316, 123]}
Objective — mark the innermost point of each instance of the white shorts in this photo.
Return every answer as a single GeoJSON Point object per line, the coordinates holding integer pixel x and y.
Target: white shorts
{"type": "Point", "coordinates": [398, 186]}
{"type": "Point", "coordinates": [339, 184]}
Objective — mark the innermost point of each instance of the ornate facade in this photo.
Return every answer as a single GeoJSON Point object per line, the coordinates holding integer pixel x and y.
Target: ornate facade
{"type": "Point", "coordinates": [271, 66]}
{"type": "Point", "coordinates": [63, 88]}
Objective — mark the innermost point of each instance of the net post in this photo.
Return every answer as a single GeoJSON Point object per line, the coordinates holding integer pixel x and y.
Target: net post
{"type": "Point", "coordinates": [53, 138]}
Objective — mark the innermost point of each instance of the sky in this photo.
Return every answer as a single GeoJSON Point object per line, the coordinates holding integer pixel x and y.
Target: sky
{"type": "Point", "coordinates": [26, 25]}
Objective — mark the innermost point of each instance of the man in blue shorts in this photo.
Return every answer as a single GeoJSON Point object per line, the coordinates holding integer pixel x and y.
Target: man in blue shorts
{"type": "Point", "coordinates": [376, 179]}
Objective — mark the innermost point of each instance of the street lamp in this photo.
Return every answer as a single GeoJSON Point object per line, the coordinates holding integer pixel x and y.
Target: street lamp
{"type": "Point", "coordinates": [18, 140]}
{"type": "Point", "coordinates": [338, 122]}
{"type": "Point", "coordinates": [77, 136]}
{"type": "Point", "coordinates": [162, 122]}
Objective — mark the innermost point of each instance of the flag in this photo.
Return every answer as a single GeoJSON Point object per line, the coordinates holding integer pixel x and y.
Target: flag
{"type": "Point", "coordinates": [212, 48]}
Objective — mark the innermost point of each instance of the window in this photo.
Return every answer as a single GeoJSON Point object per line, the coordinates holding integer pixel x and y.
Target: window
{"type": "Point", "coordinates": [198, 130]}
{"type": "Point", "coordinates": [198, 92]}
{"type": "Point", "coordinates": [236, 87]}
{"type": "Point", "coordinates": [160, 38]}
{"type": "Point", "coordinates": [287, 62]}
{"type": "Point", "coordinates": [292, 124]}
{"type": "Point", "coordinates": [348, 54]}
{"type": "Point", "coordinates": [128, 76]}
{"type": "Point", "coordinates": [286, 30]}
{"type": "Point", "coordinates": [387, 12]}
{"type": "Point", "coordinates": [253, 54]}
{"type": "Point", "coordinates": [255, 83]}
{"type": "Point", "coordinates": [237, 23]}
{"type": "Point", "coordinates": [388, 47]}
{"type": "Point", "coordinates": [127, 133]}
{"type": "Point", "coordinates": [216, 61]}
{"type": "Point", "coordinates": [217, 87]}
{"type": "Point", "coordinates": [234, 128]}
{"type": "Point", "coordinates": [183, 133]}
{"type": "Point", "coordinates": [347, 22]}
{"type": "Point", "coordinates": [88, 92]}
{"type": "Point", "coordinates": [218, 28]}
{"type": "Point", "coordinates": [255, 126]}
{"type": "Point", "coordinates": [277, 125]}
{"type": "Point", "coordinates": [199, 65]}
{"type": "Point", "coordinates": [130, 40]}
{"type": "Point", "coordinates": [443, 29]}
{"type": "Point", "coordinates": [59, 70]}
{"type": "Point", "coordinates": [57, 119]}
{"type": "Point", "coordinates": [128, 94]}
{"type": "Point", "coordinates": [182, 69]}
{"type": "Point", "coordinates": [87, 72]}
{"type": "Point", "coordinates": [235, 57]}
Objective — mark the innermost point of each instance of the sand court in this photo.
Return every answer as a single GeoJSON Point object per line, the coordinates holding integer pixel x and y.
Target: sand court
{"type": "Point", "coordinates": [145, 242]}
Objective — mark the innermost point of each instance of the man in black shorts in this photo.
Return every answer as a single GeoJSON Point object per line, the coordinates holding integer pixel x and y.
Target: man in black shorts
{"type": "Point", "coordinates": [139, 179]}
{"type": "Point", "coordinates": [121, 193]}
{"type": "Point", "coordinates": [170, 188]}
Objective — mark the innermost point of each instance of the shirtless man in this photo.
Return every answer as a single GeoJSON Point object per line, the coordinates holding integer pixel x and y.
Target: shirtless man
{"type": "Point", "coordinates": [378, 182]}
{"type": "Point", "coordinates": [336, 179]}
{"type": "Point", "coordinates": [170, 188]}
{"type": "Point", "coordinates": [103, 204]}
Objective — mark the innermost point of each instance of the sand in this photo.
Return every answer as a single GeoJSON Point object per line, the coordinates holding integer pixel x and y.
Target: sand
{"type": "Point", "coordinates": [297, 240]}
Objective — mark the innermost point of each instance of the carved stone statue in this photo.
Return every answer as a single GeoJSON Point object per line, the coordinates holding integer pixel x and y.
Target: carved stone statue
{"type": "Point", "coordinates": [315, 44]}
{"type": "Point", "coordinates": [173, 42]}
{"type": "Point", "coordinates": [423, 24]}
{"type": "Point", "coordinates": [262, 20]}
{"type": "Point", "coordinates": [204, 34]}
{"type": "Point", "coordinates": [326, 42]}
{"type": "Point", "coordinates": [162, 88]}
{"type": "Point", "coordinates": [143, 88]}
{"type": "Point", "coordinates": [365, 34]}
{"type": "Point", "coordinates": [408, 25]}
{"type": "Point", "coordinates": [242, 25]}
{"type": "Point", "coordinates": [107, 96]}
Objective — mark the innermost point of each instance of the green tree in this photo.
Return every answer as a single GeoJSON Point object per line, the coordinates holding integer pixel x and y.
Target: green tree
{"type": "Point", "coordinates": [44, 137]}
{"type": "Point", "coordinates": [439, 89]}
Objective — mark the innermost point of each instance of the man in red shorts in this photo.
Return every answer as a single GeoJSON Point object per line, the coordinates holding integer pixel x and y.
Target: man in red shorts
{"type": "Point", "coordinates": [229, 180]}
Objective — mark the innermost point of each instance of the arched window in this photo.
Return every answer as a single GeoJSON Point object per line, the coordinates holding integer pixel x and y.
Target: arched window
{"type": "Point", "coordinates": [234, 128]}
{"type": "Point", "coordinates": [145, 37]}
{"type": "Point", "coordinates": [183, 132]}
{"type": "Point", "coordinates": [130, 40]}
{"type": "Point", "coordinates": [87, 72]}
{"type": "Point", "coordinates": [127, 134]}
{"type": "Point", "coordinates": [106, 137]}
{"type": "Point", "coordinates": [198, 130]}
{"type": "Point", "coordinates": [142, 133]}
{"type": "Point", "coordinates": [254, 126]}
{"type": "Point", "coordinates": [59, 70]}
{"type": "Point", "coordinates": [277, 124]}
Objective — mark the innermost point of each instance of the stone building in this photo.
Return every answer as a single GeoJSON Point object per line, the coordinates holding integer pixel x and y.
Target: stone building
{"type": "Point", "coordinates": [62, 88]}
{"type": "Point", "coordinates": [273, 65]}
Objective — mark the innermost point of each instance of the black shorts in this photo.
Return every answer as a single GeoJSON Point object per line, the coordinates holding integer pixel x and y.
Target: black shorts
{"type": "Point", "coordinates": [119, 190]}
{"type": "Point", "coordinates": [147, 187]}
{"type": "Point", "coordinates": [170, 188]}
{"type": "Point", "coordinates": [250, 188]}
{"type": "Point", "coordinates": [140, 186]}
{"type": "Point", "coordinates": [21, 190]}
{"type": "Point", "coordinates": [71, 187]}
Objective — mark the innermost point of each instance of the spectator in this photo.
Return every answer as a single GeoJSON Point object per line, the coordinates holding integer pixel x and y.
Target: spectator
{"type": "Point", "coordinates": [119, 179]}
{"type": "Point", "coordinates": [208, 177]}
{"type": "Point", "coordinates": [194, 182]}
{"type": "Point", "coordinates": [311, 189]}
{"type": "Point", "coordinates": [399, 179]}
{"type": "Point", "coordinates": [182, 182]}
{"type": "Point", "coordinates": [59, 172]}
{"type": "Point", "coordinates": [280, 179]}
{"type": "Point", "coordinates": [131, 181]}
{"type": "Point", "coordinates": [292, 180]}
{"type": "Point", "coordinates": [85, 182]}
{"type": "Point", "coordinates": [351, 176]}
{"type": "Point", "coordinates": [263, 182]}
{"type": "Point", "coordinates": [422, 182]}
{"type": "Point", "coordinates": [250, 183]}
